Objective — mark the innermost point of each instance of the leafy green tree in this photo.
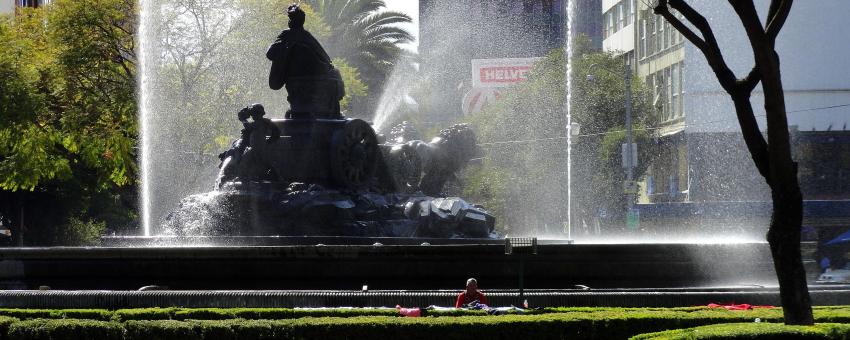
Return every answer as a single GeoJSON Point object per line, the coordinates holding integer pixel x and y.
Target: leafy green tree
{"type": "Point", "coordinates": [524, 137]}
{"type": "Point", "coordinates": [365, 34]}
{"type": "Point", "coordinates": [67, 118]}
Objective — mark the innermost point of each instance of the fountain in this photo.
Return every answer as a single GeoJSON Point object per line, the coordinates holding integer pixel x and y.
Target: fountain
{"type": "Point", "coordinates": [320, 204]}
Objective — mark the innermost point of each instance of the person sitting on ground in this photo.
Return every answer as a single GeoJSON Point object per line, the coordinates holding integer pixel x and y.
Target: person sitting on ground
{"type": "Point", "coordinates": [470, 295]}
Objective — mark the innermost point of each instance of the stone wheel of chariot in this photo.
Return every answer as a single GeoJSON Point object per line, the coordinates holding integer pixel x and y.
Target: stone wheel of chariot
{"type": "Point", "coordinates": [354, 154]}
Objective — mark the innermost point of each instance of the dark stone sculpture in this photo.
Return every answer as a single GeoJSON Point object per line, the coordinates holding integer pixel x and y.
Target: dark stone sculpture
{"type": "Point", "coordinates": [300, 63]}
{"type": "Point", "coordinates": [317, 173]}
{"type": "Point", "coordinates": [245, 158]}
{"type": "Point", "coordinates": [329, 178]}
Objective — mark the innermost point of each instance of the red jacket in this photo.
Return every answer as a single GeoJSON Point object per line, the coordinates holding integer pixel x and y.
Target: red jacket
{"type": "Point", "coordinates": [463, 299]}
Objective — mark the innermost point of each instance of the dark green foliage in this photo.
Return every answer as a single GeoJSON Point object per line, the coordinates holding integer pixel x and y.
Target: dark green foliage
{"type": "Point", "coordinates": [250, 329]}
{"type": "Point", "coordinates": [208, 329]}
{"type": "Point", "coordinates": [88, 314]}
{"type": "Point", "coordinates": [754, 331]}
{"type": "Point", "coordinates": [288, 313]}
{"type": "Point", "coordinates": [68, 121]}
{"type": "Point", "coordinates": [161, 330]}
{"type": "Point", "coordinates": [204, 314]}
{"type": "Point", "coordinates": [65, 329]}
{"type": "Point", "coordinates": [143, 314]}
{"type": "Point", "coordinates": [553, 323]}
{"type": "Point", "coordinates": [25, 314]}
{"type": "Point", "coordinates": [5, 322]}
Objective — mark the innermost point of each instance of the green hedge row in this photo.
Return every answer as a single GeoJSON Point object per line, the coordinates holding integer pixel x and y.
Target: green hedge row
{"type": "Point", "coordinates": [826, 331]}
{"type": "Point", "coordinates": [825, 314]}
{"type": "Point", "coordinates": [583, 323]}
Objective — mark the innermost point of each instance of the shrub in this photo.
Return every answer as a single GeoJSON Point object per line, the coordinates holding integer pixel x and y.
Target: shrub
{"type": "Point", "coordinates": [26, 314]}
{"type": "Point", "coordinates": [89, 314]}
{"type": "Point", "coordinates": [5, 322]}
{"type": "Point", "coordinates": [143, 314]}
{"type": "Point", "coordinates": [62, 329]}
{"type": "Point", "coordinates": [80, 233]}
{"type": "Point", "coordinates": [204, 314]}
{"type": "Point", "coordinates": [754, 331]}
{"type": "Point", "coordinates": [161, 330]}
{"type": "Point", "coordinates": [213, 329]}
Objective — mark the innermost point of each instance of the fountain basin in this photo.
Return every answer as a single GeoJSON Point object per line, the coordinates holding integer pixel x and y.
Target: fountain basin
{"type": "Point", "coordinates": [394, 267]}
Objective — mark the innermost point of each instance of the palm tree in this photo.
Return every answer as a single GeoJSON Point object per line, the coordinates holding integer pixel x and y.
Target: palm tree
{"type": "Point", "coordinates": [365, 34]}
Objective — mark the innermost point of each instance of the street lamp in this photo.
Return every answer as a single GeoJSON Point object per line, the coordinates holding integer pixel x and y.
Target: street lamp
{"type": "Point", "coordinates": [629, 151]}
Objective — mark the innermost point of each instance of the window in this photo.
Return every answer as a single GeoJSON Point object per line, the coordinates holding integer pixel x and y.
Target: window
{"type": "Point", "coordinates": [659, 40]}
{"type": "Point", "coordinates": [668, 93]}
{"type": "Point", "coordinates": [642, 35]}
{"type": "Point", "coordinates": [676, 85]}
{"type": "Point", "coordinates": [681, 108]}
{"type": "Point", "coordinates": [618, 17]}
{"type": "Point", "coordinates": [624, 13]}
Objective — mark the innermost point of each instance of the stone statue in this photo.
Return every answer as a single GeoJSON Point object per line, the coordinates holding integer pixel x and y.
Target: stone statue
{"type": "Point", "coordinates": [245, 158]}
{"type": "Point", "coordinates": [426, 167]}
{"type": "Point", "coordinates": [318, 173]}
{"type": "Point", "coordinates": [300, 63]}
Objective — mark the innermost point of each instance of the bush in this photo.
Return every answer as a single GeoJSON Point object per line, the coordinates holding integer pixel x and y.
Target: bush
{"type": "Point", "coordinates": [61, 329]}
{"type": "Point", "coordinates": [251, 329]}
{"type": "Point", "coordinates": [209, 329]}
{"type": "Point", "coordinates": [204, 314]}
{"type": "Point", "coordinates": [143, 314]}
{"type": "Point", "coordinates": [88, 314]}
{"type": "Point", "coordinates": [161, 330]}
{"type": "Point", "coordinates": [288, 313]}
{"type": "Point", "coordinates": [81, 233]}
{"type": "Point", "coordinates": [754, 330]}
{"type": "Point", "coordinates": [26, 314]}
{"type": "Point", "coordinates": [5, 322]}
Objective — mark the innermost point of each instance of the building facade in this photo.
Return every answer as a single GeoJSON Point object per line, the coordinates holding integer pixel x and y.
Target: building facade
{"type": "Point", "coordinates": [703, 164]}
{"type": "Point", "coordinates": [703, 157]}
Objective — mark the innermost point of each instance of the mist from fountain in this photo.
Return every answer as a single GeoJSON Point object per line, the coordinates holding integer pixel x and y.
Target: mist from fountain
{"type": "Point", "coordinates": [194, 114]}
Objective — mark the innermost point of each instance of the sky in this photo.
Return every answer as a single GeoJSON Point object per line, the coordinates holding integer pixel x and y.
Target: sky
{"type": "Point", "coordinates": [409, 7]}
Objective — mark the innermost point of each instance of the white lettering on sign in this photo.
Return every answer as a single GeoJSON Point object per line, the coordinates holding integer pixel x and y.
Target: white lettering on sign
{"type": "Point", "coordinates": [500, 72]}
{"type": "Point", "coordinates": [505, 74]}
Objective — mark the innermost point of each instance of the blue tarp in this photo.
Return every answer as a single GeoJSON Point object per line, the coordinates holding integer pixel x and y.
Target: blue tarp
{"type": "Point", "coordinates": [845, 237]}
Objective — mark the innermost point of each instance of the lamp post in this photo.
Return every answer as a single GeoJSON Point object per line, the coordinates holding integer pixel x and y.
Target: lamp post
{"type": "Point", "coordinates": [629, 159]}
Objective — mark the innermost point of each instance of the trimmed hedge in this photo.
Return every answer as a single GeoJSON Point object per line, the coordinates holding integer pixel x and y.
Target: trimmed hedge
{"type": "Point", "coordinates": [143, 314]}
{"type": "Point", "coordinates": [363, 323]}
{"type": "Point", "coordinates": [754, 331]}
{"type": "Point", "coordinates": [5, 322]}
{"type": "Point", "coordinates": [62, 329]}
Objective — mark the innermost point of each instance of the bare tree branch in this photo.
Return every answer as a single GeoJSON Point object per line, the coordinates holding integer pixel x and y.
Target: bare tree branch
{"type": "Point", "coordinates": [708, 45]}
{"type": "Point", "coordinates": [778, 13]}
{"type": "Point", "coordinates": [662, 10]}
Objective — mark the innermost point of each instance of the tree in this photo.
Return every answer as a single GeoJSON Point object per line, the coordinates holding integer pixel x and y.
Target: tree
{"type": "Point", "coordinates": [523, 177]}
{"type": "Point", "coordinates": [772, 157]}
{"type": "Point", "coordinates": [67, 118]}
{"type": "Point", "coordinates": [366, 35]}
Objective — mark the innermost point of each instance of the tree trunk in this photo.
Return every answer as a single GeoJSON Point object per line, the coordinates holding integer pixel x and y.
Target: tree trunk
{"type": "Point", "coordinates": [784, 233]}
{"type": "Point", "coordinates": [784, 239]}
